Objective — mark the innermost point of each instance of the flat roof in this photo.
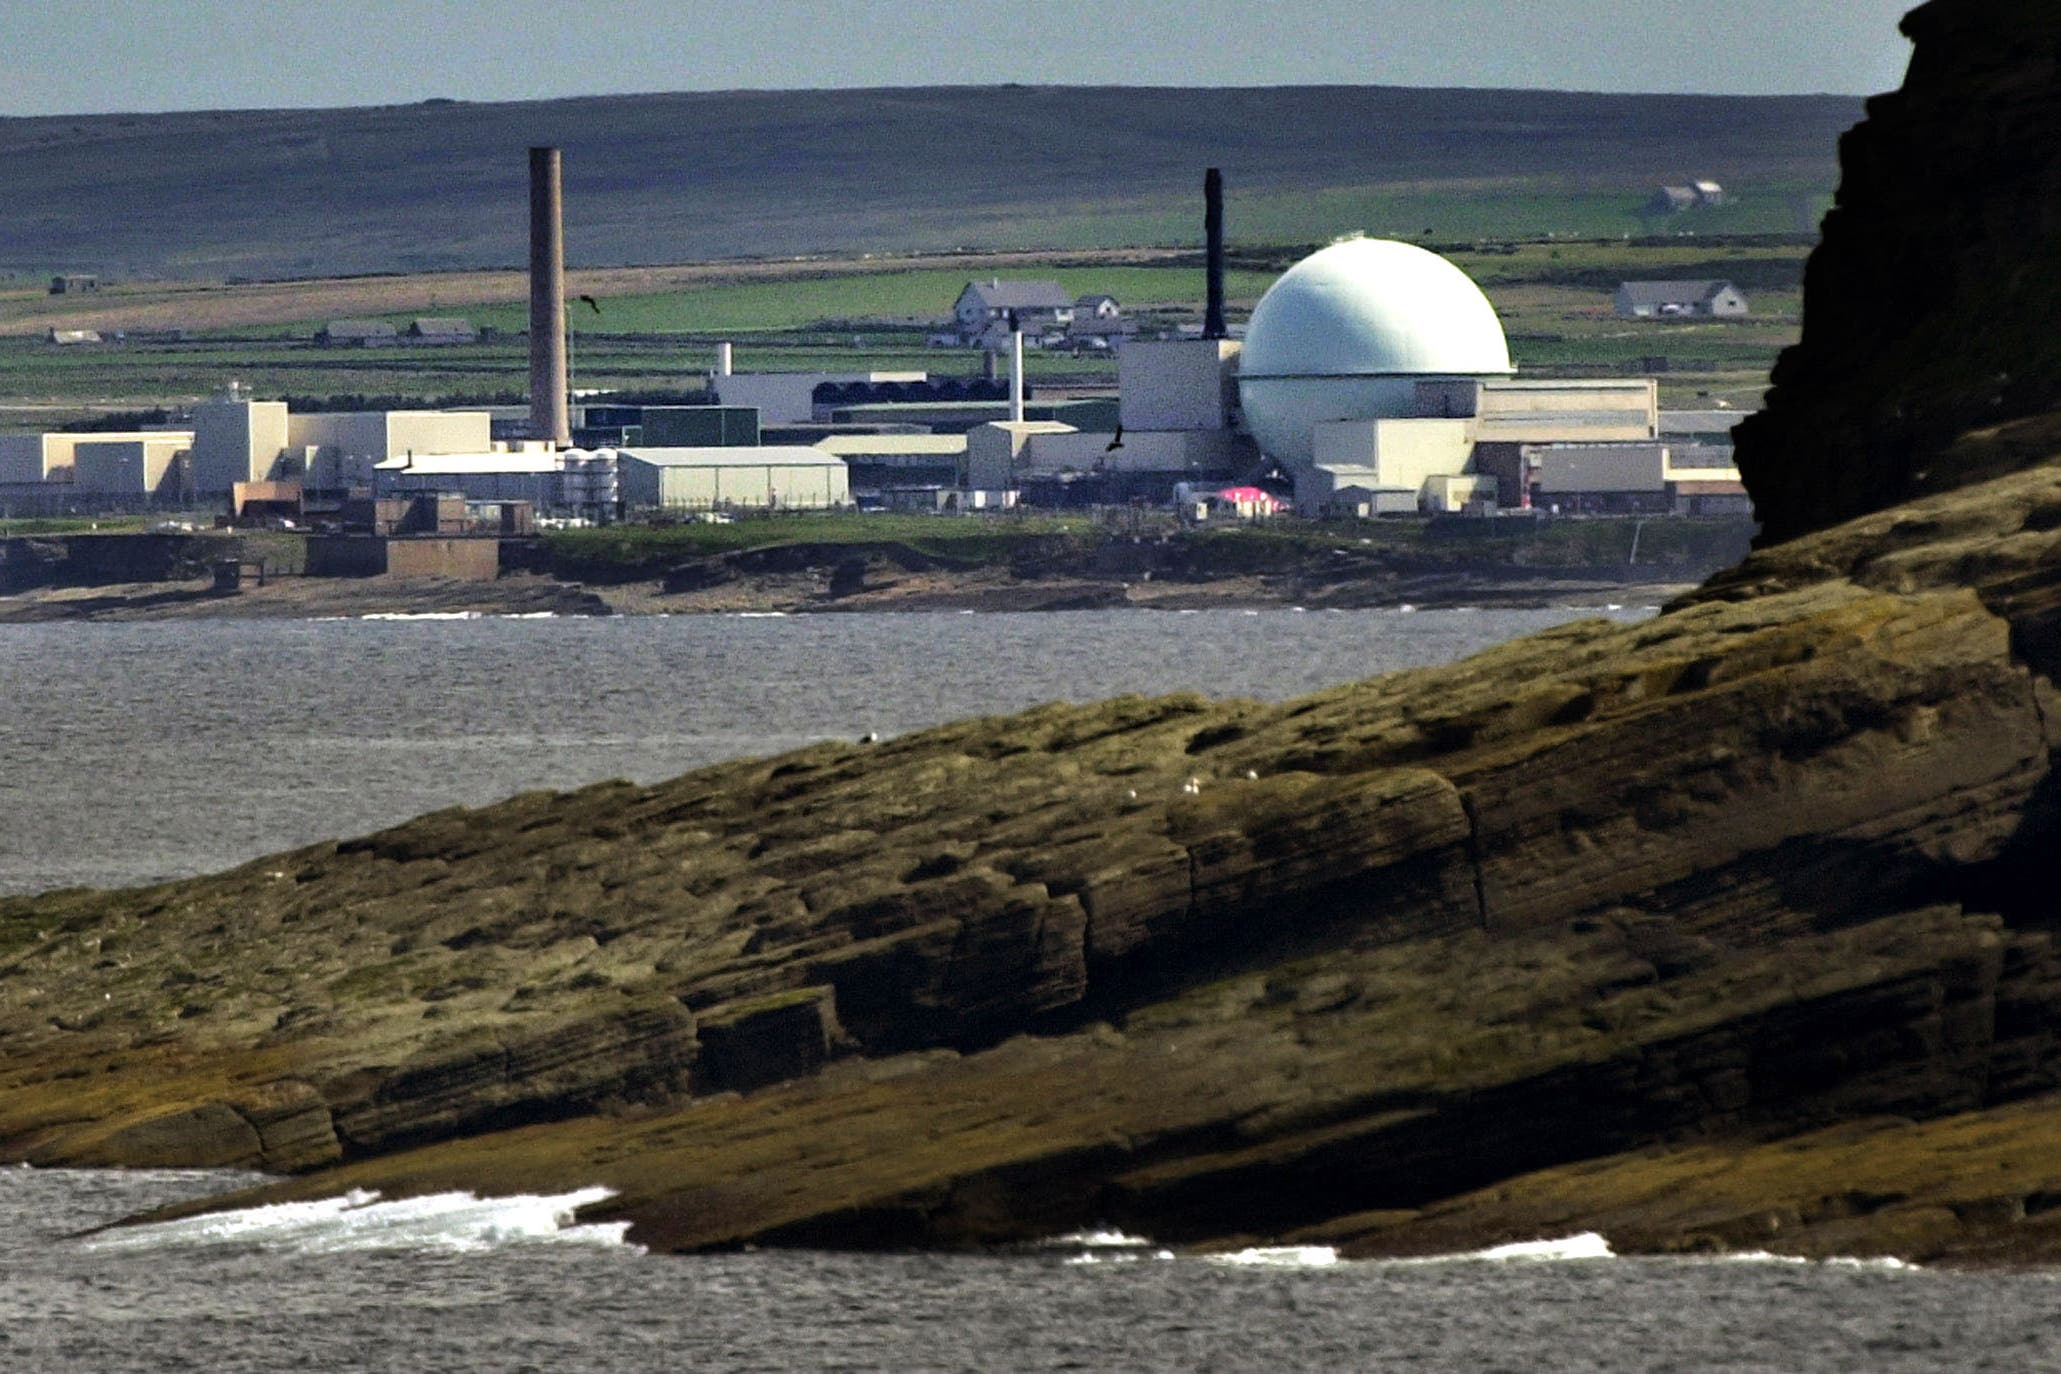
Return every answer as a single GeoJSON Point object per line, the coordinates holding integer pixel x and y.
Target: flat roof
{"type": "Point", "coordinates": [464, 464]}
{"type": "Point", "coordinates": [769, 455]}
{"type": "Point", "coordinates": [898, 444]}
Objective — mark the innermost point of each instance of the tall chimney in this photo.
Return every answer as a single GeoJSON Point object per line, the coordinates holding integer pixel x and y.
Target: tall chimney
{"type": "Point", "coordinates": [1015, 368]}
{"type": "Point", "coordinates": [549, 418]}
{"type": "Point", "coordinates": [1213, 229]}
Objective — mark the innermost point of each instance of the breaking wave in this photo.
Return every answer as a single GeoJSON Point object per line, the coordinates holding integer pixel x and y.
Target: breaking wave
{"type": "Point", "coordinates": [358, 1220]}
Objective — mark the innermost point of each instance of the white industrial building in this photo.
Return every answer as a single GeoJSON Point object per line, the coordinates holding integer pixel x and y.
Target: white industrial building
{"type": "Point", "coordinates": [1350, 332]}
{"type": "Point", "coordinates": [239, 440]}
{"type": "Point", "coordinates": [336, 450]}
{"type": "Point", "coordinates": [773, 477]}
{"type": "Point", "coordinates": [1378, 376]}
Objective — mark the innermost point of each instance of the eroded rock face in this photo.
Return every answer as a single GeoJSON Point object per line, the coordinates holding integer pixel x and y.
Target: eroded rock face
{"type": "Point", "coordinates": [1204, 969]}
{"type": "Point", "coordinates": [1928, 308]}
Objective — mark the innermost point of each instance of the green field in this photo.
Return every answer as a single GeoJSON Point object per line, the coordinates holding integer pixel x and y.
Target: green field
{"type": "Point", "coordinates": [1554, 297]}
{"type": "Point", "coordinates": [772, 174]}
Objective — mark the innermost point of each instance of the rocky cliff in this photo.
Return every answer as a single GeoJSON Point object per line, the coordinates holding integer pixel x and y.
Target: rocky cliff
{"type": "Point", "coordinates": [1928, 306]}
{"type": "Point", "coordinates": [1730, 929]}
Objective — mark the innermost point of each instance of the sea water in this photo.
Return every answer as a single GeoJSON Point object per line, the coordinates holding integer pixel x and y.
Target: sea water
{"type": "Point", "coordinates": [453, 1283]}
{"type": "Point", "coordinates": [135, 751]}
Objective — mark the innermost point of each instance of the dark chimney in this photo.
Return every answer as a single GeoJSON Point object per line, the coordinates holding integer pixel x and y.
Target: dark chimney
{"type": "Point", "coordinates": [549, 417]}
{"type": "Point", "coordinates": [1213, 230]}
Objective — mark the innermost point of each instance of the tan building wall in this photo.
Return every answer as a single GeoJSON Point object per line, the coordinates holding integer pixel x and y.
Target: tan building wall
{"type": "Point", "coordinates": [1446, 495]}
{"type": "Point", "coordinates": [50, 457]}
{"type": "Point", "coordinates": [1177, 384]}
{"type": "Point", "coordinates": [236, 441]}
{"type": "Point", "coordinates": [994, 451]}
{"type": "Point", "coordinates": [127, 467]}
{"type": "Point", "coordinates": [1617, 410]}
{"type": "Point", "coordinates": [1401, 453]}
{"type": "Point", "coordinates": [340, 449]}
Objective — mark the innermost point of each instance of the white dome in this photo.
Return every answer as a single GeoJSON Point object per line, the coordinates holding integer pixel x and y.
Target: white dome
{"type": "Point", "coordinates": [1346, 333]}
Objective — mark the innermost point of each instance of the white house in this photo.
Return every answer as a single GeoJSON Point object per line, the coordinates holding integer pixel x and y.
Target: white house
{"type": "Point", "coordinates": [1705, 300]}
{"type": "Point", "coordinates": [983, 309]}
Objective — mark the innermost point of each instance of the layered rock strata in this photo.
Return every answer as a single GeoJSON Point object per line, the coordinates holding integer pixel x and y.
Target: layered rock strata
{"type": "Point", "coordinates": [1209, 970]}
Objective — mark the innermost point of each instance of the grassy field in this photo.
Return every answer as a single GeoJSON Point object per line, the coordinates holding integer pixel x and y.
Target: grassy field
{"type": "Point", "coordinates": [657, 328]}
{"type": "Point", "coordinates": [768, 174]}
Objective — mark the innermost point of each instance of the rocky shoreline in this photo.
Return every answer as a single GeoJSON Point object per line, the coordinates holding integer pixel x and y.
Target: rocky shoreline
{"type": "Point", "coordinates": [1647, 929]}
{"type": "Point", "coordinates": [1730, 930]}
{"type": "Point", "coordinates": [980, 590]}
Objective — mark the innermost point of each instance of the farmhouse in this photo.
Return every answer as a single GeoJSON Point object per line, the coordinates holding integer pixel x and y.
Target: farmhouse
{"type": "Point", "coordinates": [1708, 300]}
{"type": "Point", "coordinates": [983, 309]}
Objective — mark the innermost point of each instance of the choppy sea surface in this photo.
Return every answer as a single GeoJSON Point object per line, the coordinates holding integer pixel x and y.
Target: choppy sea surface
{"type": "Point", "coordinates": [450, 1284]}
{"type": "Point", "coordinates": [131, 752]}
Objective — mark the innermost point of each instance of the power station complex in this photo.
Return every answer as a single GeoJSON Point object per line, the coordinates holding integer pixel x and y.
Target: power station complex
{"type": "Point", "coordinates": [1374, 378]}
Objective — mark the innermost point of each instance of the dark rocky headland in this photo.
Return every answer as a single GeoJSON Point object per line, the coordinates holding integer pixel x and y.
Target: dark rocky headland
{"type": "Point", "coordinates": [1733, 929]}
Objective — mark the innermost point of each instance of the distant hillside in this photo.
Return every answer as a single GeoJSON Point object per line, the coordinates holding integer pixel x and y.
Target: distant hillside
{"type": "Point", "coordinates": [671, 178]}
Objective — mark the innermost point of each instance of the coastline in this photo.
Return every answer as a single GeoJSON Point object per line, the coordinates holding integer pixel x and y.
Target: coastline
{"type": "Point", "coordinates": [986, 590]}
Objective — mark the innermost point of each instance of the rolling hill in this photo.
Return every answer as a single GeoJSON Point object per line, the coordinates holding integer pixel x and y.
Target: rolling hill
{"type": "Point", "coordinates": [685, 177]}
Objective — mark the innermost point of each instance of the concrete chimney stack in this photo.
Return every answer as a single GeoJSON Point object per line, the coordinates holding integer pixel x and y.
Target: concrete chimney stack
{"type": "Point", "coordinates": [1015, 368]}
{"type": "Point", "coordinates": [550, 417]}
{"type": "Point", "coordinates": [1213, 326]}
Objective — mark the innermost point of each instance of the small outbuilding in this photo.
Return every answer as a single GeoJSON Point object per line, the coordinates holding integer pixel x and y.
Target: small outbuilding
{"type": "Point", "coordinates": [358, 334]}
{"type": "Point", "coordinates": [442, 330]}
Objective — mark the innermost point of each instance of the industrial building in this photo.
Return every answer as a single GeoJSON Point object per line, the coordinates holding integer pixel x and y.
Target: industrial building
{"type": "Point", "coordinates": [899, 471]}
{"type": "Point", "coordinates": [334, 451]}
{"type": "Point", "coordinates": [1377, 376]}
{"type": "Point", "coordinates": [240, 440]}
{"type": "Point", "coordinates": [38, 459]}
{"type": "Point", "coordinates": [789, 398]}
{"type": "Point", "coordinates": [775, 477]}
{"type": "Point", "coordinates": [139, 465]}
{"type": "Point", "coordinates": [534, 474]}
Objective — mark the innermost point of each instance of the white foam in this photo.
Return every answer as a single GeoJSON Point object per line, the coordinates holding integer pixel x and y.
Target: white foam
{"type": "Point", "coordinates": [1280, 1257]}
{"type": "Point", "coordinates": [1119, 1256]}
{"type": "Point", "coordinates": [762, 615]}
{"type": "Point", "coordinates": [420, 615]}
{"type": "Point", "coordinates": [1586, 1246]}
{"type": "Point", "coordinates": [360, 1221]}
{"type": "Point", "coordinates": [1102, 1238]}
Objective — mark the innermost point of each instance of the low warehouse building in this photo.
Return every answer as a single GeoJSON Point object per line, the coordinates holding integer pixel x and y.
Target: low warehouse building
{"type": "Point", "coordinates": [776, 477]}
